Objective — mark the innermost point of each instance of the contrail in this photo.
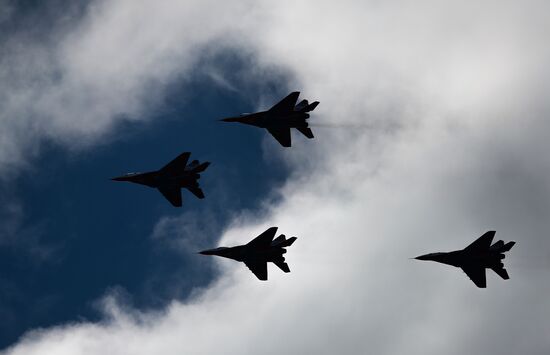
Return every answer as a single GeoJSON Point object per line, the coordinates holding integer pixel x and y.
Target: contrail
{"type": "Point", "coordinates": [341, 125]}
{"type": "Point", "coordinates": [350, 125]}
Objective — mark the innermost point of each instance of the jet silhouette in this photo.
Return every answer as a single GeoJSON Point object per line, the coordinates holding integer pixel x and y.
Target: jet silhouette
{"type": "Point", "coordinates": [171, 178]}
{"type": "Point", "coordinates": [258, 252]}
{"type": "Point", "coordinates": [476, 257]}
{"type": "Point", "coordinates": [279, 119]}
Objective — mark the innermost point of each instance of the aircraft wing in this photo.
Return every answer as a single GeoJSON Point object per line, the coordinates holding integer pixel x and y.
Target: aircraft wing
{"type": "Point", "coordinates": [282, 135]}
{"type": "Point", "coordinates": [482, 243]}
{"type": "Point", "coordinates": [258, 268]}
{"type": "Point", "coordinates": [196, 191]}
{"type": "Point", "coordinates": [476, 274]}
{"type": "Point", "coordinates": [287, 104]}
{"type": "Point", "coordinates": [178, 164]}
{"type": "Point", "coordinates": [172, 194]}
{"type": "Point", "coordinates": [264, 239]}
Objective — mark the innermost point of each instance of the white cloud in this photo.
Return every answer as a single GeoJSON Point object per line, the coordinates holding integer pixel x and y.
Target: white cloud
{"type": "Point", "coordinates": [454, 98]}
{"type": "Point", "coordinates": [74, 84]}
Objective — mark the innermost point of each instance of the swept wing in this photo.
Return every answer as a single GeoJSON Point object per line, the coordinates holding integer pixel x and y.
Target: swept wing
{"type": "Point", "coordinates": [264, 239]}
{"type": "Point", "coordinates": [178, 164]}
{"type": "Point", "coordinates": [476, 274]}
{"type": "Point", "coordinates": [172, 194]}
{"type": "Point", "coordinates": [482, 243]}
{"type": "Point", "coordinates": [282, 135]}
{"type": "Point", "coordinates": [259, 268]}
{"type": "Point", "coordinates": [287, 104]}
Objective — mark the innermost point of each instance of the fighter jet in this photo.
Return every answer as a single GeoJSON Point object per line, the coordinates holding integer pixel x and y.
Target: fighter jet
{"type": "Point", "coordinates": [258, 252]}
{"type": "Point", "coordinates": [476, 257]}
{"type": "Point", "coordinates": [171, 178]}
{"type": "Point", "coordinates": [279, 119]}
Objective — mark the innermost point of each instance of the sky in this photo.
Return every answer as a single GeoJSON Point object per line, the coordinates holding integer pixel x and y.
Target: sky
{"type": "Point", "coordinates": [432, 129]}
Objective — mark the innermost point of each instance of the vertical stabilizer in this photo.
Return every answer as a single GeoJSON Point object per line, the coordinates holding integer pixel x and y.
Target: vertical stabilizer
{"type": "Point", "coordinates": [302, 105]}
{"type": "Point", "coordinates": [311, 106]}
{"type": "Point", "coordinates": [200, 167]}
{"type": "Point", "coordinates": [508, 246]}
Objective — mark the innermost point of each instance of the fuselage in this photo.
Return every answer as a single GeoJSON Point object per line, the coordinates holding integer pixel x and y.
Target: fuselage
{"type": "Point", "coordinates": [460, 258]}
{"type": "Point", "coordinates": [158, 178]}
{"type": "Point", "coordinates": [246, 253]}
{"type": "Point", "coordinates": [267, 119]}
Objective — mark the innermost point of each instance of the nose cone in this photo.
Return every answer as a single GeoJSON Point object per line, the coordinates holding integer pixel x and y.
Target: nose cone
{"type": "Point", "coordinates": [128, 177]}
{"type": "Point", "coordinates": [424, 257]}
{"type": "Point", "coordinates": [216, 251]}
{"type": "Point", "coordinates": [231, 119]}
{"type": "Point", "coordinates": [207, 252]}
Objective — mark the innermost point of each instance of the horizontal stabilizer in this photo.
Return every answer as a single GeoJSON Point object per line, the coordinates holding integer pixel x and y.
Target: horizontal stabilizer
{"type": "Point", "coordinates": [498, 245]}
{"type": "Point", "coordinates": [195, 190]}
{"type": "Point", "coordinates": [282, 265]}
{"type": "Point", "coordinates": [279, 239]}
{"type": "Point", "coordinates": [501, 272]}
{"type": "Point", "coordinates": [501, 247]}
{"type": "Point", "coordinates": [289, 242]}
{"type": "Point", "coordinates": [306, 132]}
{"type": "Point", "coordinates": [201, 167]}
{"type": "Point", "coordinates": [282, 242]}
{"type": "Point", "coordinates": [508, 246]}
{"type": "Point", "coordinates": [311, 106]}
{"type": "Point", "coordinates": [303, 104]}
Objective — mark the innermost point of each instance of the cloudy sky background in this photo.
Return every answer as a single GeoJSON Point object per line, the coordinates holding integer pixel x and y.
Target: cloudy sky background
{"type": "Point", "coordinates": [432, 129]}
